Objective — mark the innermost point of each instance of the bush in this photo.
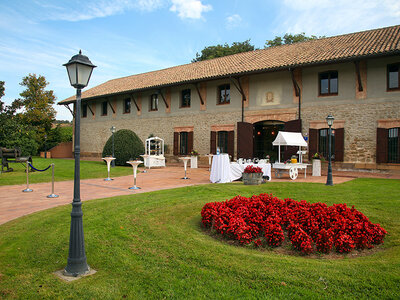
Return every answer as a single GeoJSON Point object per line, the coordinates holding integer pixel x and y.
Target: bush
{"type": "Point", "coordinates": [127, 145]}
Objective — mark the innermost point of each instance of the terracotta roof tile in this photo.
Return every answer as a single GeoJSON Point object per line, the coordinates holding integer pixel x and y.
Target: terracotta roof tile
{"type": "Point", "coordinates": [383, 41]}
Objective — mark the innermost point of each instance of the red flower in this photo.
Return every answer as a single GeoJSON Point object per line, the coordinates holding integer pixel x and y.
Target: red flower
{"type": "Point", "coordinates": [307, 225]}
{"type": "Point", "coordinates": [252, 169]}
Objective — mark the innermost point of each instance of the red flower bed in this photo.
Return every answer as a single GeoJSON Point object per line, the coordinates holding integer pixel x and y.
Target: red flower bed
{"type": "Point", "coordinates": [310, 226]}
{"type": "Point", "coordinates": [252, 169]}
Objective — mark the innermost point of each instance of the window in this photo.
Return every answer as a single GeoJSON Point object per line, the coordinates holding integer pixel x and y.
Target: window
{"type": "Point", "coordinates": [104, 108]}
{"type": "Point", "coordinates": [393, 145]}
{"type": "Point", "coordinates": [153, 102]}
{"type": "Point", "coordinates": [222, 141]}
{"type": "Point", "coordinates": [185, 98]}
{"type": "Point", "coordinates": [84, 110]}
{"type": "Point", "coordinates": [224, 94]}
{"type": "Point", "coordinates": [393, 78]}
{"type": "Point", "coordinates": [328, 83]}
{"type": "Point", "coordinates": [323, 143]}
{"type": "Point", "coordinates": [127, 105]}
{"type": "Point", "coordinates": [183, 145]}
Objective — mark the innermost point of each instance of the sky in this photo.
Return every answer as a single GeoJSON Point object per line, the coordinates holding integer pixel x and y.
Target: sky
{"type": "Point", "coordinates": [126, 37]}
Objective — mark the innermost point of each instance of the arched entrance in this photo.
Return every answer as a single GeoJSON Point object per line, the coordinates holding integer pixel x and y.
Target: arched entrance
{"type": "Point", "coordinates": [264, 134]}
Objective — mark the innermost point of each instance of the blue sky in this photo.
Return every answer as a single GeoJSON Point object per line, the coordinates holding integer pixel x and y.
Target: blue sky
{"type": "Point", "coordinates": [125, 37]}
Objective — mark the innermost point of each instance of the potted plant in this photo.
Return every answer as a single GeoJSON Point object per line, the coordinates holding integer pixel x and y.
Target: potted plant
{"type": "Point", "coordinates": [252, 175]}
{"type": "Point", "coordinates": [193, 159]}
{"type": "Point", "coordinates": [316, 164]}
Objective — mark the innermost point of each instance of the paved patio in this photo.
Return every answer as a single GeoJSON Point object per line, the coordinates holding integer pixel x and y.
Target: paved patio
{"type": "Point", "coordinates": [14, 203]}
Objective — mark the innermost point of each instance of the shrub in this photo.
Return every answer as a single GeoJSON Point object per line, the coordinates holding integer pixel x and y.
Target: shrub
{"type": "Point", "coordinates": [127, 145]}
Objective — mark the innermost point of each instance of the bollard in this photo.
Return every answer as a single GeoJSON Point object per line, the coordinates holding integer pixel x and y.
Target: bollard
{"type": "Point", "coordinates": [52, 195]}
{"type": "Point", "coordinates": [27, 178]}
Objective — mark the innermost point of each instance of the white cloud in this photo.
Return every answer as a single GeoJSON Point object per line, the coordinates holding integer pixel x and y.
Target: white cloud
{"type": "Point", "coordinates": [233, 21]}
{"type": "Point", "coordinates": [332, 17]}
{"type": "Point", "coordinates": [76, 10]}
{"type": "Point", "coordinates": [189, 9]}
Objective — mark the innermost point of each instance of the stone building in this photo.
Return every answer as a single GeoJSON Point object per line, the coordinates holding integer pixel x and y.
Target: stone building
{"type": "Point", "coordinates": [240, 102]}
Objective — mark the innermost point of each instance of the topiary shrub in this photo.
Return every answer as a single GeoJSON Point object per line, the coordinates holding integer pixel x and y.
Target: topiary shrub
{"type": "Point", "coordinates": [127, 145]}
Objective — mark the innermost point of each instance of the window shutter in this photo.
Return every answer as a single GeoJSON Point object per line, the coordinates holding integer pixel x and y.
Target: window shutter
{"type": "Point", "coordinates": [213, 142]}
{"type": "Point", "coordinates": [245, 138]}
{"type": "Point", "coordinates": [339, 144]}
{"type": "Point", "coordinates": [312, 142]}
{"type": "Point", "coordinates": [382, 135]}
{"type": "Point", "coordinates": [176, 140]}
{"type": "Point", "coordinates": [190, 142]}
{"type": "Point", "coordinates": [231, 143]}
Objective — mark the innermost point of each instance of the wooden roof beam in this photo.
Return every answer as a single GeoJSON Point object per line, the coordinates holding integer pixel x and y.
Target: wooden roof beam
{"type": "Point", "coordinates": [162, 96]}
{"type": "Point", "coordinates": [357, 64]}
{"type": "Point", "coordinates": [109, 103]}
{"type": "Point", "coordinates": [134, 101]}
{"type": "Point", "coordinates": [238, 86]}
{"type": "Point", "coordinates": [198, 92]}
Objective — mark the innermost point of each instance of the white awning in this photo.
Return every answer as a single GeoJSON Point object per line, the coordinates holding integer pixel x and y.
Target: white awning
{"type": "Point", "coordinates": [289, 139]}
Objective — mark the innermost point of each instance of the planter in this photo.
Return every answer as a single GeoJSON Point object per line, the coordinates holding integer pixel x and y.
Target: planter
{"type": "Point", "coordinates": [316, 167]}
{"type": "Point", "coordinates": [252, 178]}
{"type": "Point", "coordinates": [193, 162]}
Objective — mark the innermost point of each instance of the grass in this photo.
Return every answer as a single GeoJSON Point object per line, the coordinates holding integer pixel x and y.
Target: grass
{"type": "Point", "coordinates": [152, 245]}
{"type": "Point", "coordinates": [63, 170]}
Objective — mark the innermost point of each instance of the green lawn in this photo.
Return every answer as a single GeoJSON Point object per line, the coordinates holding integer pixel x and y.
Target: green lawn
{"type": "Point", "coordinates": [152, 245]}
{"type": "Point", "coordinates": [63, 170]}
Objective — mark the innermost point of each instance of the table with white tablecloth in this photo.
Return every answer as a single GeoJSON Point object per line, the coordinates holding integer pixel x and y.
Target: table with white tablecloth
{"type": "Point", "coordinates": [220, 169]}
{"type": "Point", "coordinates": [237, 169]}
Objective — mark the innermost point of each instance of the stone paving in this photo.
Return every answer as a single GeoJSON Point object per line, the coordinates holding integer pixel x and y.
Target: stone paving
{"type": "Point", "coordinates": [14, 203]}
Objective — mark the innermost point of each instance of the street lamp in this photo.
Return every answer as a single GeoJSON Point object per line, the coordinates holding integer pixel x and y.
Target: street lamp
{"type": "Point", "coordinates": [112, 129]}
{"type": "Point", "coordinates": [79, 69]}
{"type": "Point", "coordinates": [329, 120]}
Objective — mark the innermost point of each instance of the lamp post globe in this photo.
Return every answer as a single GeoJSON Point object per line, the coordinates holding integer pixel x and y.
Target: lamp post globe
{"type": "Point", "coordinates": [113, 129]}
{"type": "Point", "coordinates": [79, 70]}
{"type": "Point", "coordinates": [329, 120]}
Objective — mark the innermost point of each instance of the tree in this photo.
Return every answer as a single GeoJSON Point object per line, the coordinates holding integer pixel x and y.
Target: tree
{"type": "Point", "coordinates": [211, 52]}
{"type": "Point", "coordinates": [37, 102]}
{"type": "Point", "coordinates": [289, 39]}
{"type": "Point", "coordinates": [13, 131]}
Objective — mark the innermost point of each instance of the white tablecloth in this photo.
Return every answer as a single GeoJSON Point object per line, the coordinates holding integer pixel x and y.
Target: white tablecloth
{"type": "Point", "coordinates": [237, 169]}
{"type": "Point", "coordinates": [220, 169]}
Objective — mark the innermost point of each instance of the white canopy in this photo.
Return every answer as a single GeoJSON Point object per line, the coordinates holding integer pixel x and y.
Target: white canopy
{"type": "Point", "coordinates": [289, 139]}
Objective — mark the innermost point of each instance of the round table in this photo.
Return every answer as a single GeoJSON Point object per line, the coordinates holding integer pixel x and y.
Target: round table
{"type": "Point", "coordinates": [108, 160]}
{"type": "Point", "coordinates": [185, 160]}
{"type": "Point", "coordinates": [134, 164]}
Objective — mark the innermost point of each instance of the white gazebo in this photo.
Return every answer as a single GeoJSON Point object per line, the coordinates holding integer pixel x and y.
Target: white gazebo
{"type": "Point", "coordinates": [289, 139]}
{"type": "Point", "coordinates": [154, 152]}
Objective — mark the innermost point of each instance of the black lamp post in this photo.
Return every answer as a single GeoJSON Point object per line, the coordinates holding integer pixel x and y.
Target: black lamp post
{"type": "Point", "coordinates": [329, 120]}
{"type": "Point", "coordinates": [79, 69]}
{"type": "Point", "coordinates": [112, 129]}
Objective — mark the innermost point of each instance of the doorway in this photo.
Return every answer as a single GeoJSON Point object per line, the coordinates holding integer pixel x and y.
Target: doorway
{"type": "Point", "coordinates": [265, 133]}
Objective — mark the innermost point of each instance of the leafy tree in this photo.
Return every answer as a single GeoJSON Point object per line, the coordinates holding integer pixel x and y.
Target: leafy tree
{"type": "Point", "coordinates": [290, 39]}
{"type": "Point", "coordinates": [223, 50]}
{"type": "Point", "coordinates": [37, 104]}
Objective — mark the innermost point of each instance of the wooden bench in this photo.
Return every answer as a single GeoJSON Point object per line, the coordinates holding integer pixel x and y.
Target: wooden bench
{"type": "Point", "coordinates": [12, 156]}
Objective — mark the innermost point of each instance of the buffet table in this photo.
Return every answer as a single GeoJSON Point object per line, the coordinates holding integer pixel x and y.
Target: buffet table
{"type": "Point", "coordinates": [220, 169]}
{"type": "Point", "coordinates": [237, 169]}
{"type": "Point", "coordinates": [223, 171]}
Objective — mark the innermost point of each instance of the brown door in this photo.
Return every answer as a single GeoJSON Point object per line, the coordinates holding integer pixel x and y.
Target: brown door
{"type": "Point", "coordinates": [245, 137]}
